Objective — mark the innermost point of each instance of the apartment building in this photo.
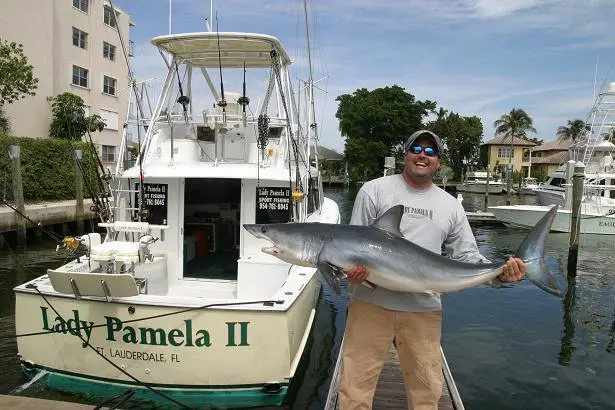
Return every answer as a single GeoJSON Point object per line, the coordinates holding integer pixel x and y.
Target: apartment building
{"type": "Point", "coordinates": [74, 46]}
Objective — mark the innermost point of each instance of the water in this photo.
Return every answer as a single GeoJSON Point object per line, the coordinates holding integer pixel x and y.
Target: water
{"type": "Point", "coordinates": [509, 348]}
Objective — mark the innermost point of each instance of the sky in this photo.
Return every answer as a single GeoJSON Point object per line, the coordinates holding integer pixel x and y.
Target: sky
{"type": "Point", "coordinates": [472, 57]}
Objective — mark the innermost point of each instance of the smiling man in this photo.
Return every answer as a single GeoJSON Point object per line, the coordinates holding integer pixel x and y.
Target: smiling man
{"type": "Point", "coordinates": [432, 219]}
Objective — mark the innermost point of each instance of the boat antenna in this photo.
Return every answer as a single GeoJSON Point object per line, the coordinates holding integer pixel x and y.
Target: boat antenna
{"type": "Point", "coordinates": [244, 100]}
{"type": "Point", "coordinates": [222, 102]}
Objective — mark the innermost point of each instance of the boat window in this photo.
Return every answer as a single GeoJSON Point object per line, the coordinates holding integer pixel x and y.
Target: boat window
{"type": "Point", "coordinates": [211, 228]}
{"type": "Point", "coordinates": [275, 132]}
{"type": "Point", "coordinates": [557, 182]}
{"type": "Point", "coordinates": [204, 133]}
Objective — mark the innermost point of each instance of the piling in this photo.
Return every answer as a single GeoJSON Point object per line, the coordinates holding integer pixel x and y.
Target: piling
{"type": "Point", "coordinates": [79, 212]}
{"type": "Point", "coordinates": [575, 217]}
{"type": "Point", "coordinates": [486, 205]}
{"type": "Point", "coordinates": [509, 184]}
{"type": "Point", "coordinates": [15, 154]}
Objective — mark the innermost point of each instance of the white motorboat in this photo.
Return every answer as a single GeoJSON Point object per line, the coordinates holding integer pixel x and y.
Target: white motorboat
{"type": "Point", "coordinates": [597, 211]}
{"type": "Point", "coordinates": [478, 182]}
{"type": "Point", "coordinates": [175, 301]}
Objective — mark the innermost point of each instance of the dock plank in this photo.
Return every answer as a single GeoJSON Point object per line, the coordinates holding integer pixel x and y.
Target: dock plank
{"type": "Point", "coordinates": [28, 403]}
{"type": "Point", "coordinates": [391, 392]}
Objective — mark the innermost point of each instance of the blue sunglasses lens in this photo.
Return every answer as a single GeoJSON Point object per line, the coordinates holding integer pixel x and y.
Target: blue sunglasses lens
{"type": "Point", "coordinates": [416, 149]}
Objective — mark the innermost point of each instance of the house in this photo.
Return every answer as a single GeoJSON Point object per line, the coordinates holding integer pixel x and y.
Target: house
{"type": "Point", "coordinates": [548, 157]}
{"type": "Point", "coordinates": [74, 47]}
{"type": "Point", "coordinates": [499, 151]}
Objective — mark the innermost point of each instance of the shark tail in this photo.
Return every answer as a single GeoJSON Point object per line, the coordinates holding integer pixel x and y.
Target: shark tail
{"type": "Point", "coordinates": [532, 252]}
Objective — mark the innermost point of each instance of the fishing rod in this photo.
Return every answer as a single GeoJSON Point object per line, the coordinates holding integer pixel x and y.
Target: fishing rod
{"type": "Point", "coordinates": [222, 102]}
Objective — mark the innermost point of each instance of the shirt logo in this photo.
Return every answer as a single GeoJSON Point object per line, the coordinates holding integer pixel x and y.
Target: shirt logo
{"type": "Point", "coordinates": [418, 213]}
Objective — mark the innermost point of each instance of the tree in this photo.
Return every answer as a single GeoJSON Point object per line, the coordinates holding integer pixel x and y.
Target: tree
{"type": "Point", "coordinates": [376, 124]}
{"type": "Point", "coordinates": [514, 124]}
{"type": "Point", "coordinates": [517, 123]}
{"type": "Point", "coordinates": [388, 115]}
{"type": "Point", "coordinates": [5, 125]}
{"type": "Point", "coordinates": [573, 130]}
{"type": "Point", "coordinates": [69, 119]}
{"type": "Point", "coordinates": [365, 158]}
{"type": "Point", "coordinates": [461, 136]}
{"type": "Point", "coordinates": [609, 136]}
{"type": "Point", "coordinates": [16, 73]}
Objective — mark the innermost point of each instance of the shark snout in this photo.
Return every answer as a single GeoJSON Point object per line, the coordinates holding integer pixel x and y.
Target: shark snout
{"type": "Point", "coordinates": [255, 229]}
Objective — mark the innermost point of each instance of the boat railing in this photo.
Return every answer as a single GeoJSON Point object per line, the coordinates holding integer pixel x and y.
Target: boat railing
{"type": "Point", "coordinates": [209, 128]}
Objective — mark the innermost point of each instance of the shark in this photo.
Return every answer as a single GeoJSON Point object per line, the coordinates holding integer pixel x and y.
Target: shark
{"type": "Point", "coordinates": [393, 262]}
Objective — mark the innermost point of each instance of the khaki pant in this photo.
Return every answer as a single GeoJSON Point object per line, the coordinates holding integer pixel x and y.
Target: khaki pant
{"type": "Point", "coordinates": [369, 333]}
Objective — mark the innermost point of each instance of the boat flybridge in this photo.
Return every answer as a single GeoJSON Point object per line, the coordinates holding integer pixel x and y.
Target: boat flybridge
{"type": "Point", "coordinates": [176, 301]}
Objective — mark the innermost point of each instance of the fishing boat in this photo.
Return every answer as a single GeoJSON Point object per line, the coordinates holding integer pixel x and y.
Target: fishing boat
{"type": "Point", "coordinates": [174, 300]}
{"type": "Point", "coordinates": [479, 182]}
{"type": "Point", "coordinates": [528, 186]}
{"type": "Point", "coordinates": [595, 154]}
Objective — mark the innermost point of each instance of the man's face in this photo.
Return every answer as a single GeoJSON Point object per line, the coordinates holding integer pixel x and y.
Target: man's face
{"type": "Point", "coordinates": [421, 167]}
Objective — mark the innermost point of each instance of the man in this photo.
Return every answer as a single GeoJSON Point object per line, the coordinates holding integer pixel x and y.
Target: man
{"type": "Point", "coordinates": [376, 316]}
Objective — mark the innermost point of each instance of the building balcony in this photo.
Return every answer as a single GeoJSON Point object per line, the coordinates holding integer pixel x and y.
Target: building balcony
{"type": "Point", "coordinates": [131, 48]}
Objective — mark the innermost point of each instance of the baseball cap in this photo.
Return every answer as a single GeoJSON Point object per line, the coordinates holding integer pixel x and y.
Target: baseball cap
{"type": "Point", "coordinates": [425, 133]}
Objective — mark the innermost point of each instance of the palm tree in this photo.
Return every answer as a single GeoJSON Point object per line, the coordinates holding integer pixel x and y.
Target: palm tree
{"type": "Point", "coordinates": [5, 125]}
{"type": "Point", "coordinates": [515, 124]}
{"type": "Point", "coordinates": [574, 130]}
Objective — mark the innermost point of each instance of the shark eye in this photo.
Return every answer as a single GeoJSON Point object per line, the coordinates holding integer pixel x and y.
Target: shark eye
{"type": "Point", "coordinates": [263, 229]}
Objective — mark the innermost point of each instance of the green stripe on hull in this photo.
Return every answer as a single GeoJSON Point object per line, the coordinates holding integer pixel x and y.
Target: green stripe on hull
{"type": "Point", "coordinates": [219, 397]}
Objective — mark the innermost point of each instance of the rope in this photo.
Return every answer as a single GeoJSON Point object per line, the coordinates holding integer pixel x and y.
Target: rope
{"type": "Point", "coordinates": [86, 343]}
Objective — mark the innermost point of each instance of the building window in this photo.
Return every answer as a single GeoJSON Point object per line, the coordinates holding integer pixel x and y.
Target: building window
{"type": "Point", "coordinates": [109, 85]}
{"type": "Point", "coordinates": [81, 5]}
{"type": "Point", "coordinates": [108, 16]}
{"type": "Point", "coordinates": [80, 38]}
{"type": "Point", "coordinates": [108, 51]}
{"type": "Point", "coordinates": [108, 153]}
{"type": "Point", "coordinates": [110, 118]}
{"type": "Point", "coordinates": [80, 76]}
{"type": "Point", "coordinates": [505, 152]}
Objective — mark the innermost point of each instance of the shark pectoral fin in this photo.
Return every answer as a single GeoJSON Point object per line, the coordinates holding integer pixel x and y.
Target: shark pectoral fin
{"type": "Point", "coordinates": [331, 275]}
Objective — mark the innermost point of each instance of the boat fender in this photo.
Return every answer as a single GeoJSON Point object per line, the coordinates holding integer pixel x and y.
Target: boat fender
{"type": "Point", "coordinates": [28, 365]}
{"type": "Point", "coordinates": [272, 388]}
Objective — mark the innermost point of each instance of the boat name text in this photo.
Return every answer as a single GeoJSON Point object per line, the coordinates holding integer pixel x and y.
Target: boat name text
{"type": "Point", "coordinates": [117, 331]}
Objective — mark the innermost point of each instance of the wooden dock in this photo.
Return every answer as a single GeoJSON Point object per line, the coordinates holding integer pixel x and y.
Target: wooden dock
{"type": "Point", "coordinates": [482, 218]}
{"type": "Point", "coordinates": [391, 393]}
{"type": "Point", "coordinates": [30, 403]}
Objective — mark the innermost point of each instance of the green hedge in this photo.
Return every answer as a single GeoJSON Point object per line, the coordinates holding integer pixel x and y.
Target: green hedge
{"type": "Point", "coordinates": [47, 167]}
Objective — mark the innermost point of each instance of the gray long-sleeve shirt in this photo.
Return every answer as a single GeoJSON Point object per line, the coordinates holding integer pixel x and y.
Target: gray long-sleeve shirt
{"type": "Point", "coordinates": [432, 219]}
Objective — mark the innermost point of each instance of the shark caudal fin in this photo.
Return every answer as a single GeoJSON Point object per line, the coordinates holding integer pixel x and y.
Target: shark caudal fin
{"type": "Point", "coordinates": [532, 251]}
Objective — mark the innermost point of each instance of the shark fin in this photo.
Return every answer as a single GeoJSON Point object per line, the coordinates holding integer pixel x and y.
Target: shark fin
{"type": "Point", "coordinates": [331, 276]}
{"type": "Point", "coordinates": [390, 220]}
{"type": "Point", "coordinates": [532, 251]}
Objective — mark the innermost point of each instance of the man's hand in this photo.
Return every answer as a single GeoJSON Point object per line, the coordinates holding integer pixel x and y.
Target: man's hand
{"type": "Point", "coordinates": [357, 274]}
{"type": "Point", "coordinates": [514, 270]}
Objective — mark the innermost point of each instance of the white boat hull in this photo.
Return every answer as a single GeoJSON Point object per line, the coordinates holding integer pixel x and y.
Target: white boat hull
{"type": "Point", "coordinates": [550, 197]}
{"type": "Point", "coordinates": [527, 216]}
{"type": "Point", "coordinates": [480, 188]}
{"type": "Point", "coordinates": [223, 357]}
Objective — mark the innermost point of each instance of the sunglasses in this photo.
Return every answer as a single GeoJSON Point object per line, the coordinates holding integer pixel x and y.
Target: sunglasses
{"type": "Point", "coordinates": [429, 151]}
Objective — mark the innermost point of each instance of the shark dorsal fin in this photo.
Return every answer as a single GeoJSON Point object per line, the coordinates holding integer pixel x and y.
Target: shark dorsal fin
{"type": "Point", "coordinates": [389, 221]}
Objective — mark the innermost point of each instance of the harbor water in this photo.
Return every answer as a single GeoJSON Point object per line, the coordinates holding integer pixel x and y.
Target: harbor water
{"type": "Point", "coordinates": [515, 347]}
